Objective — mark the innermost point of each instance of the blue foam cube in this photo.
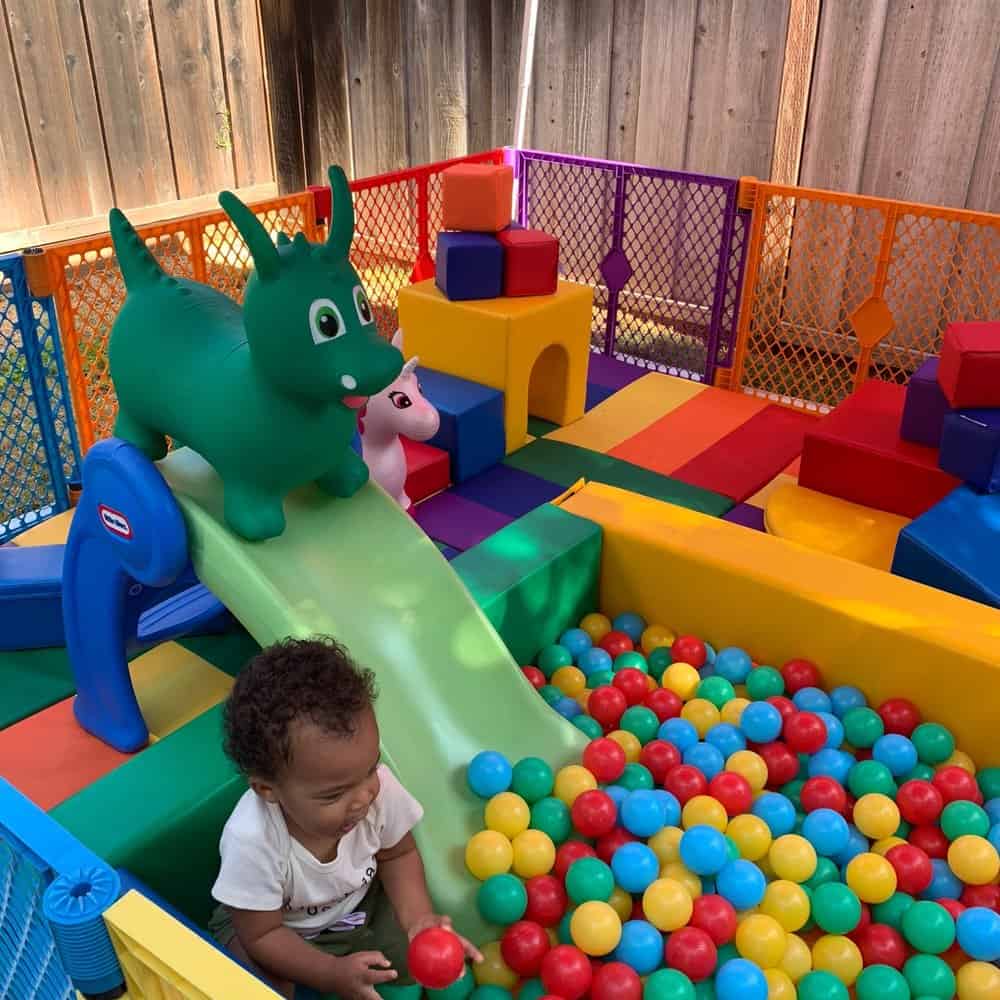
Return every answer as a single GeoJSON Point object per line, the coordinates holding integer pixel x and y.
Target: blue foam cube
{"type": "Point", "coordinates": [970, 448]}
{"type": "Point", "coordinates": [469, 266]}
{"type": "Point", "coordinates": [472, 430]}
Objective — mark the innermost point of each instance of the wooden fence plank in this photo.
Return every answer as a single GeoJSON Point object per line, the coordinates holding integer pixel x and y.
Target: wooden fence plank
{"type": "Point", "coordinates": [493, 40]}
{"type": "Point", "coordinates": [984, 187]}
{"type": "Point", "coordinates": [279, 30]}
{"type": "Point", "coordinates": [326, 117]}
{"type": "Point", "coordinates": [626, 74]}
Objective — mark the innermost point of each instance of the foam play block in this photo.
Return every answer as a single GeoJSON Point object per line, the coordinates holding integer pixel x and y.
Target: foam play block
{"type": "Point", "coordinates": [428, 469]}
{"type": "Point", "coordinates": [596, 394]}
{"type": "Point", "coordinates": [477, 197]}
{"type": "Point", "coordinates": [611, 372]}
{"type": "Point", "coordinates": [925, 407]}
{"type": "Point", "coordinates": [509, 491]}
{"type": "Point", "coordinates": [747, 515]}
{"type": "Point", "coordinates": [458, 522]}
{"type": "Point", "coordinates": [953, 546]}
{"type": "Point", "coordinates": [855, 453]}
{"type": "Point", "coordinates": [970, 448]}
{"type": "Point", "coordinates": [31, 597]}
{"type": "Point", "coordinates": [969, 371]}
{"type": "Point", "coordinates": [472, 422]}
{"type": "Point", "coordinates": [530, 262]}
{"type": "Point", "coordinates": [469, 266]}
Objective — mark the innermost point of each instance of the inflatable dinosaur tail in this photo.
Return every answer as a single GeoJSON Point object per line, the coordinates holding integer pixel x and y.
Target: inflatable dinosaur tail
{"type": "Point", "coordinates": [138, 265]}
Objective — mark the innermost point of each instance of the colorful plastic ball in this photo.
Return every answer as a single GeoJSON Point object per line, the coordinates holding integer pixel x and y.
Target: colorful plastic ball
{"type": "Point", "coordinates": [779, 985]}
{"type": "Point", "coordinates": [594, 813]}
{"type": "Point", "coordinates": [826, 871]}
{"type": "Point", "coordinates": [869, 777]}
{"type": "Point", "coordinates": [664, 703]}
{"type": "Point", "coordinates": [607, 704]}
{"type": "Point", "coordinates": [488, 853]}
{"type": "Point", "coordinates": [462, 988]}
{"type": "Point", "coordinates": [782, 763]}
{"type": "Point", "coordinates": [436, 958]}
{"type": "Point", "coordinates": [702, 714]}
{"type": "Point", "coordinates": [640, 947]}
{"type": "Point", "coordinates": [863, 727]}
{"type": "Point", "coordinates": [596, 625]}
{"type": "Point", "coordinates": [955, 783]}
{"type": "Point", "coordinates": [982, 895]}
{"type": "Point", "coordinates": [532, 779]}
{"type": "Point", "coordinates": [643, 813]}
{"type": "Point", "coordinates": [882, 982]}
{"type": "Point", "coordinates": [929, 928]}
{"type": "Point", "coordinates": [631, 624]}
{"type": "Point", "coordinates": [566, 972]}
{"type": "Point", "coordinates": [658, 757]}
{"type": "Point", "coordinates": [641, 722]}
{"type": "Point", "coordinates": [776, 811]}
{"type": "Point", "coordinates": [750, 765]}
{"type": "Point", "coordinates": [706, 758]}
{"type": "Point", "coordinates": [656, 637]}
{"type": "Point", "coordinates": [844, 697]}
{"type": "Point", "coordinates": [797, 960]}
{"type": "Point", "coordinates": [546, 900]}
{"type": "Point", "coordinates": [978, 981]}
{"type": "Point", "coordinates": [658, 660]}
{"type": "Point", "coordinates": [629, 744]}
{"type": "Point", "coordinates": [913, 868]}
{"type": "Point", "coordinates": [703, 849]}
{"type": "Point", "coordinates": [839, 956]}
{"type": "Point", "coordinates": [567, 707]}
{"type": "Point", "coordinates": [899, 716]}
{"type": "Point", "coordinates": [685, 782]}
{"type": "Point", "coordinates": [534, 853]}
{"type": "Point", "coordinates": [615, 643]}
{"type": "Point", "coordinates": [800, 674]}
{"type": "Point", "coordinates": [595, 928]}
{"type": "Point", "coordinates": [920, 803]}
{"type": "Point", "coordinates": [635, 867]}
{"type": "Point", "coordinates": [630, 660]}
{"type": "Point", "coordinates": [786, 902]}
{"type": "Point", "coordinates": [933, 742]}
{"type": "Point", "coordinates": [605, 759]}
{"type": "Point", "coordinates": [523, 946]}
{"type": "Point", "coordinates": [678, 732]}
{"type": "Point", "coordinates": [493, 970]}
{"type": "Point", "coordinates": [703, 810]}
{"type": "Point", "coordinates": [751, 835]}
{"type": "Point", "coordinates": [716, 916]}
{"type": "Point", "coordinates": [876, 816]}
{"type": "Point", "coordinates": [716, 690]}
{"type": "Point", "coordinates": [535, 677]}
{"type": "Point", "coordinates": [732, 791]}
{"type": "Point", "coordinates": [692, 951]}
{"type": "Point", "coordinates": [792, 857]}
{"type": "Point", "coordinates": [891, 911]}
{"type": "Point", "coordinates": [588, 879]}
{"type": "Point", "coordinates": [825, 829]}
{"type": "Point", "coordinates": [764, 682]}
{"type": "Point", "coordinates": [733, 664]}
{"type": "Point", "coordinates": [633, 684]}
{"type": "Point", "coordinates": [667, 904]}
{"type": "Point", "coordinates": [679, 872]}
{"type": "Point", "coordinates": [571, 782]}
{"type": "Point", "coordinates": [741, 883]}
{"type": "Point", "coordinates": [507, 813]}
{"type": "Point", "coordinates": [668, 984]}
{"type": "Point", "coordinates": [761, 939]}
{"type": "Point", "coordinates": [608, 844]}
{"type": "Point", "coordinates": [489, 773]}
{"type": "Point", "coordinates": [552, 817]}
{"type": "Point", "coordinates": [688, 649]}
{"type": "Point", "coordinates": [502, 899]}
{"type": "Point", "coordinates": [834, 730]}
{"type": "Point", "coordinates": [897, 753]}
{"type": "Point", "coordinates": [974, 859]}
{"type": "Point", "coordinates": [635, 777]}
{"type": "Point", "coordinates": [726, 738]}
{"type": "Point", "coordinates": [871, 877]}
{"type": "Point", "coordinates": [593, 660]}
{"type": "Point", "coordinates": [835, 908]}
{"type": "Point", "coordinates": [761, 722]}
{"type": "Point", "coordinates": [881, 944]}
{"type": "Point", "coordinates": [978, 932]}
{"type": "Point", "coordinates": [959, 819]}
{"type": "Point", "coordinates": [681, 678]}
{"type": "Point", "coordinates": [614, 981]}
{"type": "Point", "coordinates": [740, 979]}
{"type": "Point", "coordinates": [929, 976]}
{"type": "Point", "coordinates": [590, 728]}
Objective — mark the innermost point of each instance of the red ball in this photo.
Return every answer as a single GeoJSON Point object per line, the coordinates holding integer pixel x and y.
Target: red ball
{"type": "Point", "coordinates": [616, 981]}
{"type": "Point", "coordinates": [523, 947]}
{"type": "Point", "coordinates": [692, 951]}
{"type": "Point", "coordinates": [866, 917]}
{"type": "Point", "coordinates": [800, 674]}
{"type": "Point", "coordinates": [804, 732]}
{"type": "Point", "coordinates": [436, 957]}
{"type": "Point", "coordinates": [785, 706]}
{"type": "Point", "coordinates": [782, 764]}
{"type": "Point", "coordinates": [899, 716]}
{"type": "Point", "coordinates": [614, 644]}
{"type": "Point", "coordinates": [881, 944]}
{"type": "Point", "coordinates": [638, 913]}
{"type": "Point", "coordinates": [606, 704]}
{"type": "Point", "coordinates": [535, 676]}
{"type": "Point", "coordinates": [920, 802]}
{"type": "Point", "coordinates": [733, 791]}
{"type": "Point", "coordinates": [981, 895]}
{"type": "Point", "coordinates": [954, 783]}
{"type": "Point", "coordinates": [823, 792]}
{"type": "Point", "coordinates": [689, 649]}
{"type": "Point", "coordinates": [610, 842]}
{"type": "Point", "coordinates": [566, 972]}
{"type": "Point", "coordinates": [685, 781]}
{"type": "Point", "coordinates": [716, 916]}
{"type": "Point", "coordinates": [914, 870]}
{"type": "Point", "coordinates": [546, 900]}
{"type": "Point", "coordinates": [605, 759]}
{"type": "Point", "coordinates": [953, 906]}
{"type": "Point", "coordinates": [659, 756]}
{"type": "Point", "coordinates": [567, 853]}
{"type": "Point", "coordinates": [594, 813]}
{"type": "Point", "coordinates": [664, 703]}
{"type": "Point", "coordinates": [633, 684]}
{"type": "Point", "coordinates": [930, 839]}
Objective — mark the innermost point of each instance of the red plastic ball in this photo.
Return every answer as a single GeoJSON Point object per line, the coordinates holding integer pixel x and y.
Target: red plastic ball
{"type": "Point", "coordinates": [615, 643]}
{"type": "Point", "coordinates": [594, 813]}
{"type": "Point", "coordinates": [523, 947]}
{"type": "Point", "coordinates": [692, 951]}
{"type": "Point", "coordinates": [658, 757]}
{"type": "Point", "coordinates": [899, 716]}
{"type": "Point", "coordinates": [881, 944]}
{"type": "Point", "coordinates": [664, 703]}
{"type": "Point", "coordinates": [800, 674]}
{"type": "Point", "coordinates": [716, 916]}
{"type": "Point", "coordinates": [633, 684]}
{"type": "Point", "coordinates": [920, 802]}
{"type": "Point", "coordinates": [547, 900]}
{"type": "Point", "coordinates": [567, 853]}
{"type": "Point", "coordinates": [785, 706]}
{"type": "Point", "coordinates": [782, 764]}
{"type": "Point", "coordinates": [689, 649]}
{"type": "Point", "coordinates": [535, 676]}
{"type": "Point", "coordinates": [436, 957]}
{"type": "Point", "coordinates": [823, 792]}
{"type": "Point", "coordinates": [638, 913]}
{"type": "Point", "coordinates": [616, 981]}
{"type": "Point", "coordinates": [610, 842]}
{"type": "Point", "coordinates": [605, 759]}
{"type": "Point", "coordinates": [953, 906]}
{"type": "Point", "coordinates": [981, 895]}
{"type": "Point", "coordinates": [566, 972]}
{"type": "Point", "coordinates": [804, 732]}
{"type": "Point", "coordinates": [866, 918]}
{"type": "Point", "coordinates": [930, 839]}
{"type": "Point", "coordinates": [954, 783]}
{"type": "Point", "coordinates": [733, 791]}
{"type": "Point", "coordinates": [913, 867]}
{"type": "Point", "coordinates": [606, 704]}
{"type": "Point", "coordinates": [685, 782]}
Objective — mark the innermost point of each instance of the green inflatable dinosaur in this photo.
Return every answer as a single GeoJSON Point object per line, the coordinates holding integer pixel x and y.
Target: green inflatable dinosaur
{"type": "Point", "coordinates": [268, 394]}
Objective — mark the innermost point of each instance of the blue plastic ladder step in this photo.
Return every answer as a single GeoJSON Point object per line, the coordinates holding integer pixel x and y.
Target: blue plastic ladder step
{"type": "Point", "coordinates": [196, 609]}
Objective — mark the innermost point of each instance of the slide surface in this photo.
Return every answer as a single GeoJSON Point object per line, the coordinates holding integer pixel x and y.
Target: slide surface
{"type": "Point", "coordinates": [363, 571]}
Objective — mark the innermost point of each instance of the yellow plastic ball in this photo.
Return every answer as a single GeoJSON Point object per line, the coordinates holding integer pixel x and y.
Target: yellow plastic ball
{"type": "Point", "coordinates": [703, 810]}
{"type": "Point", "coordinates": [872, 878]}
{"type": "Point", "coordinates": [493, 970]}
{"type": "Point", "coordinates": [553, 934]}
{"type": "Point", "coordinates": [702, 714]}
{"type": "Point", "coordinates": [839, 956]}
{"type": "Point", "coordinates": [570, 680]}
{"type": "Point", "coordinates": [876, 816]}
{"type": "Point", "coordinates": [885, 845]}
{"type": "Point", "coordinates": [797, 960]}
{"type": "Point", "coordinates": [751, 766]}
{"type": "Point", "coordinates": [595, 928]}
{"type": "Point", "coordinates": [682, 679]}
{"type": "Point", "coordinates": [621, 903]}
{"type": "Point", "coordinates": [488, 853]}
{"type": "Point", "coordinates": [751, 835]}
{"type": "Point", "coordinates": [679, 872]}
{"type": "Point", "coordinates": [973, 859]}
{"type": "Point", "coordinates": [732, 711]}
{"type": "Point", "coordinates": [596, 625]}
{"type": "Point", "coordinates": [534, 853]}
{"type": "Point", "coordinates": [656, 636]}
{"type": "Point", "coordinates": [508, 814]}
{"type": "Point", "coordinates": [572, 782]}
{"type": "Point", "coordinates": [583, 699]}
{"type": "Point", "coordinates": [629, 742]}
{"type": "Point", "coordinates": [959, 758]}
{"type": "Point", "coordinates": [779, 985]}
{"type": "Point", "coordinates": [665, 844]}
{"type": "Point", "coordinates": [667, 904]}
{"type": "Point", "coordinates": [792, 857]}
{"type": "Point", "coordinates": [788, 903]}
{"type": "Point", "coordinates": [978, 981]}
{"type": "Point", "coordinates": [761, 939]}
{"type": "Point", "coordinates": [765, 866]}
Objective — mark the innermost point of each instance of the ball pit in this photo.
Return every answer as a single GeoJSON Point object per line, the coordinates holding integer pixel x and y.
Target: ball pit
{"type": "Point", "coordinates": [735, 831]}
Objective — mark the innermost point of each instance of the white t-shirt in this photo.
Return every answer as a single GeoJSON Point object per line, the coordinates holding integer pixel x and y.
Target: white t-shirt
{"type": "Point", "coordinates": [265, 868]}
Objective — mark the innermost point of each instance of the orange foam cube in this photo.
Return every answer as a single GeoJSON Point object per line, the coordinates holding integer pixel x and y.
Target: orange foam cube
{"type": "Point", "coordinates": [477, 197]}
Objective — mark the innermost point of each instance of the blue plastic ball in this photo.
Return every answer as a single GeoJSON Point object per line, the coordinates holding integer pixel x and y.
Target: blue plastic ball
{"type": "Point", "coordinates": [734, 664]}
{"type": "Point", "coordinates": [710, 655]}
{"type": "Point", "coordinates": [741, 882]}
{"type": "Point", "coordinates": [635, 867]}
{"type": "Point", "coordinates": [679, 732]}
{"type": "Point", "coordinates": [703, 849]}
{"type": "Point", "coordinates": [761, 722]}
{"type": "Point", "coordinates": [726, 738]}
{"type": "Point", "coordinates": [641, 947]}
{"type": "Point", "coordinates": [740, 979]}
{"type": "Point", "coordinates": [827, 831]}
{"type": "Point", "coordinates": [618, 795]}
{"type": "Point", "coordinates": [643, 813]}
{"type": "Point", "coordinates": [846, 697]}
{"type": "Point", "coordinates": [994, 835]}
{"type": "Point", "coordinates": [978, 930]}
{"type": "Point", "coordinates": [708, 670]}
{"type": "Point", "coordinates": [857, 844]}
{"type": "Point", "coordinates": [706, 758]}
{"type": "Point", "coordinates": [671, 807]}
{"type": "Point", "coordinates": [631, 624]}
{"type": "Point", "coordinates": [834, 730]}
{"type": "Point", "coordinates": [896, 752]}
{"type": "Point", "coordinates": [592, 660]}
{"type": "Point", "coordinates": [489, 773]}
{"type": "Point", "coordinates": [568, 708]}
{"type": "Point", "coordinates": [828, 763]}
{"type": "Point", "coordinates": [576, 641]}
{"type": "Point", "coordinates": [812, 699]}
{"type": "Point", "coordinates": [992, 810]}
{"type": "Point", "coordinates": [777, 811]}
{"type": "Point", "coordinates": [944, 883]}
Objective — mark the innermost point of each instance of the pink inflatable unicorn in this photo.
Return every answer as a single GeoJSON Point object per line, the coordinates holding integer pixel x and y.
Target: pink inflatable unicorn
{"type": "Point", "coordinates": [397, 409]}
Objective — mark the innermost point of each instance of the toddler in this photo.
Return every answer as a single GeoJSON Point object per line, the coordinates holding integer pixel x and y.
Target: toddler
{"type": "Point", "coordinates": [320, 882]}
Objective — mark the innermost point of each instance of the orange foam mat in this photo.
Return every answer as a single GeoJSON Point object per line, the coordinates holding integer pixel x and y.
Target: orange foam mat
{"type": "Point", "coordinates": [681, 435]}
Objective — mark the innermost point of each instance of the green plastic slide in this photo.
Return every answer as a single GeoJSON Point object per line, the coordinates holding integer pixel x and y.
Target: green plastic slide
{"type": "Point", "coordinates": [362, 570]}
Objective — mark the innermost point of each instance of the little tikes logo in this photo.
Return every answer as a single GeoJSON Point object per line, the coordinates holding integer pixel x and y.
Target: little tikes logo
{"type": "Point", "coordinates": [114, 521]}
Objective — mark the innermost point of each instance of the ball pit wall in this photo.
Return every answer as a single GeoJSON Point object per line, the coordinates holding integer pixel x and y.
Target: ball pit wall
{"type": "Point", "coordinates": [889, 636]}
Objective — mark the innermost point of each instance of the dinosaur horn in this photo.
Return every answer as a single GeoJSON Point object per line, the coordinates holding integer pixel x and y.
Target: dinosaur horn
{"type": "Point", "coordinates": [265, 255]}
{"type": "Point", "coordinates": [338, 244]}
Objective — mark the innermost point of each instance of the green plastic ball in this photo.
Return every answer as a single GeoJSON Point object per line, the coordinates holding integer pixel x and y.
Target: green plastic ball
{"type": "Point", "coordinates": [717, 690]}
{"type": "Point", "coordinates": [821, 985]}
{"type": "Point", "coordinates": [531, 989]}
{"type": "Point", "coordinates": [920, 772]}
{"type": "Point", "coordinates": [461, 989]}
{"type": "Point", "coordinates": [668, 984]}
{"type": "Point", "coordinates": [862, 726]}
{"type": "Point", "coordinates": [502, 899]}
{"type": "Point", "coordinates": [764, 682]}
{"type": "Point", "coordinates": [731, 849]}
{"type": "Point", "coordinates": [564, 933]}
{"type": "Point", "coordinates": [659, 660]}
{"type": "Point", "coordinates": [589, 880]}
{"type": "Point", "coordinates": [929, 976]}
{"type": "Point", "coordinates": [793, 792]}
{"type": "Point", "coordinates": [550, 693]}
{"type": "Point", "coordinates": [704, 990]}
{"type": "Point", "coordinates": [933, 742]}
{"type": "Point", "coordinates": [641, 722]}
{"type": "Point", "coordinates": [551, 658]}
{"type": "Point", "coordinates": [532, 779]}
{"type": "Point", "coordinates": [869, 776]}
{"type": "Point", "coordinates": [631, 660]}
{"type": "Point", "coordinates": [590, 728]}
{"type": "Point", "coordinates": [881, 982]}
{"type": "Point", "coordinates": [903, 830]}
{"type": "Point", "coordinates": [488, 992]}
{"type": "Point", "coordinates": [836, 908]}
{"type": "Point", "coordinates": [929, 927]}
{"type": "Point", "coordinates": [726, 952]}
{"type": "Point", "coordinates": [892, 910]}
{"type": "Point", "coordinates": [636, 776]}
{"type": "Point", "coordinates": [962, 817]}
{"type": "Point", "coordinates": [599, 678]}
{"type": "Point", "coordinates": [826, 871]}
{"type": "Point", "coordinates": [551, 816]}
{"type": "Point", "coordinates": [989, 782]}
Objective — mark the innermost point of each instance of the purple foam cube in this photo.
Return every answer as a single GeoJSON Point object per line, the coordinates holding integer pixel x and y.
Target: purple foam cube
{"type": "Point", "coordinates": [970, 448]}
{"type": "Point", "coordinates": [469, 266]}
{"type": "Point", "coordinates": [925, 407]}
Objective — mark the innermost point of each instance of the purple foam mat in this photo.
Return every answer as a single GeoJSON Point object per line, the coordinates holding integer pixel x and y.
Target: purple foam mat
{"type": "Point", "coordinates": [508, 491]}
{"type": "Point", "coordinates": [747, 515]}
{"type": "Point", "coordinates": [612, 373]}
{"type": "Point", "coordinates": [458, 522]}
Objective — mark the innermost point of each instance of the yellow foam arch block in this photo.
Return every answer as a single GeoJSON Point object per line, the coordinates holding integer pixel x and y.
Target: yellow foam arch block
{"type": "Point", "coordinates": [780, 600]}
{"type": "Point", "coordinates": [832, 525]}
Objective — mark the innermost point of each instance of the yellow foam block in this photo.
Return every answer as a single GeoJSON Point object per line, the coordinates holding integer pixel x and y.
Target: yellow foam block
{"type": "Point", "coordinates": [832, 525]}
{"type": "Point", "coordinates": [53, 531]}
{"type": "Point", "coordinates": [174, 685]}
{"type": "Point", "coordinates": [162, 958]}
{"type": "Point", "coordinates": [760, 498]}
{"type": "Point", "coordinates": [779, 600]}
{"type": "Point", "coordinates": [627, 412]}
{"type": "Point", "coordinates": [535, 349]}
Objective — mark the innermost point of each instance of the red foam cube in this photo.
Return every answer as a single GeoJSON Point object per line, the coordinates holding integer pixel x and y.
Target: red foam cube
{"type": "Point", "coordinates": [969, 370]}
{"type": "Point", "coordinates": [531, 262]}
{"type": "Point", "coordinates": [428, 469]}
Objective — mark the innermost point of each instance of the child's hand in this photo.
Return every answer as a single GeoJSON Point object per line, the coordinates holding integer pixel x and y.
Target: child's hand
{"type": "Point", "coordinates": [436, 920]}
{"type": "Point", "coordinates": [356, 976]}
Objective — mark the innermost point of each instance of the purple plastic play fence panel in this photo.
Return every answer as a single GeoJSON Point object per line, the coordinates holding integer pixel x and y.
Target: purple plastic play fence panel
{"type": "Point", "coordinates": [664, 251]}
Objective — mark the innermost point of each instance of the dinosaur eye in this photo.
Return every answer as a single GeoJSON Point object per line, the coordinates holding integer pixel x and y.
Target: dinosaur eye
{"type": "Point", "coordinates": [362, 305]}
{"type": "Point", "coordinates": [325, 321]}
{"type": "Point", "coordinates": [400, 400]}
